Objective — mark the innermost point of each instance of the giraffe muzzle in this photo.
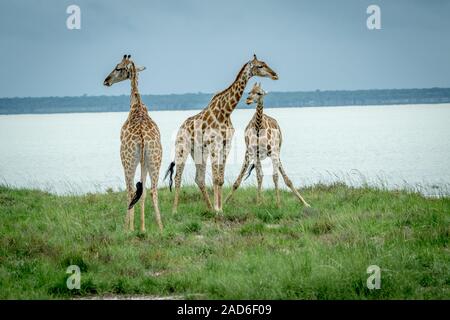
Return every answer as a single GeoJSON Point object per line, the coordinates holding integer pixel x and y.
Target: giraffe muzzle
{"type": "Point", "coordinates": [107, 83]}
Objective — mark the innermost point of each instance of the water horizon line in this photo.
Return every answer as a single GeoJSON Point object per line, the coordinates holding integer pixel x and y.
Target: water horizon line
{"type": "Point", "coordinates": [85, 95]}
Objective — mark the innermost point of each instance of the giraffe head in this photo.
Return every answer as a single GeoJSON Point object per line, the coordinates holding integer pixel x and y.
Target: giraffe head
{"type": "Point", "coordinates": [256, 94]}
{"type": "Point", "coordinates": [122, 71]}
{"type": "Point", "coordinates": [261, 69]}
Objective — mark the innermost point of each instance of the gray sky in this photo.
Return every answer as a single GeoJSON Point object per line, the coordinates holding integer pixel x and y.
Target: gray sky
{"type": "Point", "coordinates": [200, 45]}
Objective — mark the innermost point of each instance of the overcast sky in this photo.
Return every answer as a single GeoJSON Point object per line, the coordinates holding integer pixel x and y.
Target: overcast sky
{"type": "Point", "coordinates": [200, 45]}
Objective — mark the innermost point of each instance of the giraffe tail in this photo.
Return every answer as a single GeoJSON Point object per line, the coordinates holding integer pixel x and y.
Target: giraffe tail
{"type": "Point", "coordinates": [136, 196]}
{"type": "Point", "coordinates": [169, 173]}
{"type": "Point", "coordinates": [249, 172]}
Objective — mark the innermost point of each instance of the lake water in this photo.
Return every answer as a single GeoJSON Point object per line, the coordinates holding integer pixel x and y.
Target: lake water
{"type": "Point", "coordinates": [391, 146]}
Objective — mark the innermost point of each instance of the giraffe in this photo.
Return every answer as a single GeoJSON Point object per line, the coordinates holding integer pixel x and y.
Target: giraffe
{"type": "Point", "coordinates": [140, 143]}
{"type": "Point", "coordinates": [209, 133]}
{"type": "Point", "coordinates": [263, 139]}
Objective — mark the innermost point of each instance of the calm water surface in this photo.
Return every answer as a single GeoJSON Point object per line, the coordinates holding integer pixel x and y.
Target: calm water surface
{"type": "Point", "coordinates": [390, 146]}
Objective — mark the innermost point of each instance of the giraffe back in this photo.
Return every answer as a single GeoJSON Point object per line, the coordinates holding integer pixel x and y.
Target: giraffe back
{"type": "Point", "coordinates": [263, 138]}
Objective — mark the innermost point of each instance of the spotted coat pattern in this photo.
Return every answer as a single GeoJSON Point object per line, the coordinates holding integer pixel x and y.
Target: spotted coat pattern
{"type": "Point", "coordinates": [140, 143]}
{"type": "Point", "coordinates": [208, 134]}
{"type": "Point", "coordinates": [263, 140]}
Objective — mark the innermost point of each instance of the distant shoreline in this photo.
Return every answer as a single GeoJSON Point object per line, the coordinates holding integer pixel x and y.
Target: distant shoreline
{"type": "Point", "coordinates": [197, 101]}
{"type": "Point", "coordinates": [239, 108]}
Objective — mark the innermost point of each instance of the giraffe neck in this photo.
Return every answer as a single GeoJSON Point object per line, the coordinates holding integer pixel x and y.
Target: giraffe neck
{"type": "Point", "coordinates": [135, 97]}
{"type": "Point", "coordinates": [259, 115]}
{"type": "Point", "coordinates": [231, 95]}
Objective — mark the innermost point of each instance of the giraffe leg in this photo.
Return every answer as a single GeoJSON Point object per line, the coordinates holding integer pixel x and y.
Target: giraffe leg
{"type": "Point", "coordinates": [154, 176]}
{"type": "Point", "coordinates": [200, 171]}
{"type": "Point", "coordinates": [130, 161]}
{"type": "Point", "coordinates": [275, 164]}
{"type": "Point", "coordinates": [259, 177]}
{"type": "Point", "coordinates": [238, 181]}
{"type": "Point", "coordinates": [218, 171]}
{"type": "Point", "coordinates": [178, 175]}
{"type": "Point", "coordinates": [219, 195]}
{"type": "Point", "coordinates": [130, 193]}
{"type": "Point", "coordinates": [291, 186]}
{"type": "Point", "coordinates": [152, 157]}
{"type": "Point", "coordinates": [220, 186]}
{"type": "Point", "coordinates": [216, 181]}
{"type": "Point", "coordinates": [182, 147]}
{"type": "Point", "coordinates": [144, 173]}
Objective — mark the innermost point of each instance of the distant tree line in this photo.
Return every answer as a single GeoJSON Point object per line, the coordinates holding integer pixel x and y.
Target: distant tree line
{"type": "Point", "coordinates": [191, 101]}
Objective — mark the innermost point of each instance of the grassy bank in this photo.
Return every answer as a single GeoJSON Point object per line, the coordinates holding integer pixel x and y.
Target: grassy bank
{"type": "Point", "coordinates": [251, 251]}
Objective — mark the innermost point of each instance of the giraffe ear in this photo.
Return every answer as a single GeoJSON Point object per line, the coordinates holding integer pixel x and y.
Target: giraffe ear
{"type": "Point", "coordinates": [140, 68]}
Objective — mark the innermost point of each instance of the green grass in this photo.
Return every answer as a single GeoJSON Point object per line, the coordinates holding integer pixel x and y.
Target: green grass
{"type": "Point", "coordinates": [250, 252]}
